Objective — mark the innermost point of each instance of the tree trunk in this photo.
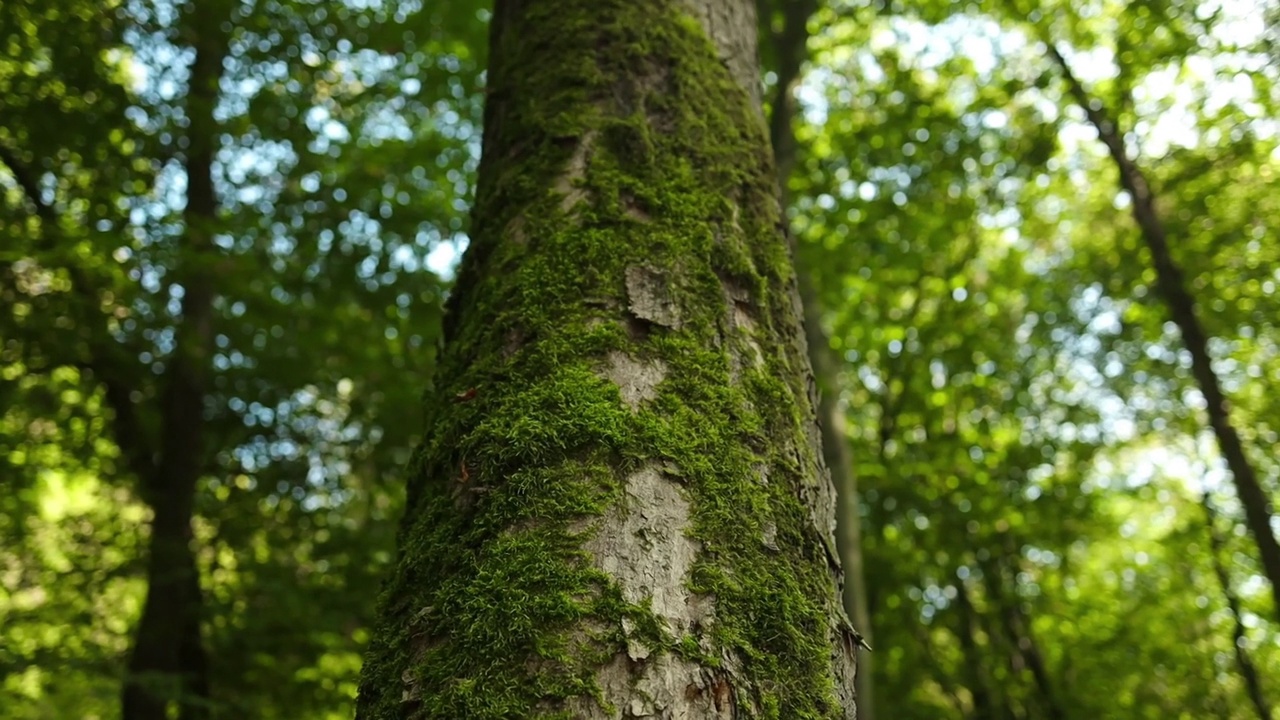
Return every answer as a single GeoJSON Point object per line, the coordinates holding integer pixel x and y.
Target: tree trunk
{"type": "Point", "coordinates": [1248, 671]}
{"type": "Point", "coordinates": [977, 679]}
{"type": "Point", "coordinates": [790, 50]}
{"type": "Point", "coordinates": [1025, 653]}
{"type": "Point", "coordinates": [620, 508]}
{"type": "Point", "coordinates": [168, 666]}
{"type": "Point", "coordinates": [1182, 310]}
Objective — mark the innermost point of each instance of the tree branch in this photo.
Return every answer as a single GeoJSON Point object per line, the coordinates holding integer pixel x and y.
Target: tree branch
{"type": "Point", "coordinates": [1181, 304]}
{"type": "Point", "coordinates": [27, 182]}
{"type": "Point", "coordinates": [1248, 671]}
{"type": "Point", "coordinates": [128, 431]}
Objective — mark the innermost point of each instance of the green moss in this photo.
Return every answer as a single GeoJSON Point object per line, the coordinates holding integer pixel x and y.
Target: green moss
{"type": "Point", "coordinates": [526, 443]}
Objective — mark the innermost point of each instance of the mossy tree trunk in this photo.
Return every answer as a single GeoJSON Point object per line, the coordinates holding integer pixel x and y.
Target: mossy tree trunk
{"type": "Point", "coordinates": [620, 508]}
{"type": "Point", "coordinates": [790, 50]}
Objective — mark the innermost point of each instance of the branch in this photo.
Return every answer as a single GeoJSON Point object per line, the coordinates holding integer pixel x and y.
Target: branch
{"type": "Point", "coordinates": [130, 436]}
{"type": "Point", "coordinates": [27, 182]}
{"type": "Point", "coordinates": [1182, 310]}
{"type": "Point", "coordinates": [1248, 671]}
{"type": "Point", "coordinates": [1131, 177]}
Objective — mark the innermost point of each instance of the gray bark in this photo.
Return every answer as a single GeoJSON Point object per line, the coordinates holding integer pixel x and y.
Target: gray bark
{"type": "Point", "coordinates": [620, 508]}
{"type": "Point", "coordinates": [790, 48]}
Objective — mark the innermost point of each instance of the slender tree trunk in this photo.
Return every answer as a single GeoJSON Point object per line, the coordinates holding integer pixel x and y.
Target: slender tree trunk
{"type": "Point", "coordinates": [620, 508]}
{"type": "Point", "coordinates": [1248, 672]}
{"type": "Point", "coordinates": [983, 707]}
{"type": "Point", "coordinates": [1182, 310]}
{"type": "Point", "coordinates": [790, 50]}
{"type": "Point", "coordinates": [168, 665]}
{"type": "Point", "coordinates": [839, 457]}
{"type": "Point", "coordinates": [1026, 652]}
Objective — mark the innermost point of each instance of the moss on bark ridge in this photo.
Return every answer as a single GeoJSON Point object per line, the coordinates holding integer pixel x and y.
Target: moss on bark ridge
{"type": "Point", "coordinates": [626, 306]}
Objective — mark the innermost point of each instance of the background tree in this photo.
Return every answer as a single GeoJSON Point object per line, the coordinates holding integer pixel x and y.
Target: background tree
{"type": "Point", "coordinates": [992, 81]}
{"type": "Point", "coordinates": [786, 27]}
{"type": "Point", "coordinates": [197, 277]}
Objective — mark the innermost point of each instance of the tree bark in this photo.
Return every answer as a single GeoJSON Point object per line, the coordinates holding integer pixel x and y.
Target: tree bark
{"type": "Point", "coordinates": [1248, 671]}
{"type": "Point", "coordinates": [620, 508]}
{"type": "Point", "coordinates": [168, 665]}
{"type": "Point", "coordinates": [1182, 310]}
{"type": "Point", "coordinates": [790, 47]}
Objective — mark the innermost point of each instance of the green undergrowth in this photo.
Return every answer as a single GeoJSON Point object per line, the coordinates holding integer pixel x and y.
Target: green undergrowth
{"type": "Point", "coordinates": [495, 611]}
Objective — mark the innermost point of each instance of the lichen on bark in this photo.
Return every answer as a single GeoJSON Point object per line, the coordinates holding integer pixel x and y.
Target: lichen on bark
{"type": "Point", "coordinates": [619, 508]}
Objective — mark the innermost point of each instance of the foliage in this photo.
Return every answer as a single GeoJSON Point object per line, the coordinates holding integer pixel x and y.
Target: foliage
{"type": "Point", "coordinates": [1022, 412]}
{"type": "Point", "coordinates": [1029, 442]}
{"type": "Point", "coordinates": [332, 118]}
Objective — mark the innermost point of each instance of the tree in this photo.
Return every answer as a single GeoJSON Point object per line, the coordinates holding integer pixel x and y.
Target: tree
{"type": "Point", "coordinates": [620, 503]}
{"type": "Point", "coordinates": [1172, 286]}
{"type": "Point", "coordinates": [1051, 526]}
{"type": "Point", "coordinates": [206, 313]}
{"type": "Point", "coordinates": [789, 37]}
{"type": "Point", "coordinates": [1025, 481]}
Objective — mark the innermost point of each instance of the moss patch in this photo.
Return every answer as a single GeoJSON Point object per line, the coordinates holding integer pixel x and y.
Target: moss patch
{"type": "Point", "coordinates": [495, 611]}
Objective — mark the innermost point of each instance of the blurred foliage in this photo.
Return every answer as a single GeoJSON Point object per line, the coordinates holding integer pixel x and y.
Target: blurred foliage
{"type": "Point", "coordinates": [347, 134]}
{"type": "Point", "coordinates": [1029, 442]}
{"type": "Point", "coordinates": [1031, 448]}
